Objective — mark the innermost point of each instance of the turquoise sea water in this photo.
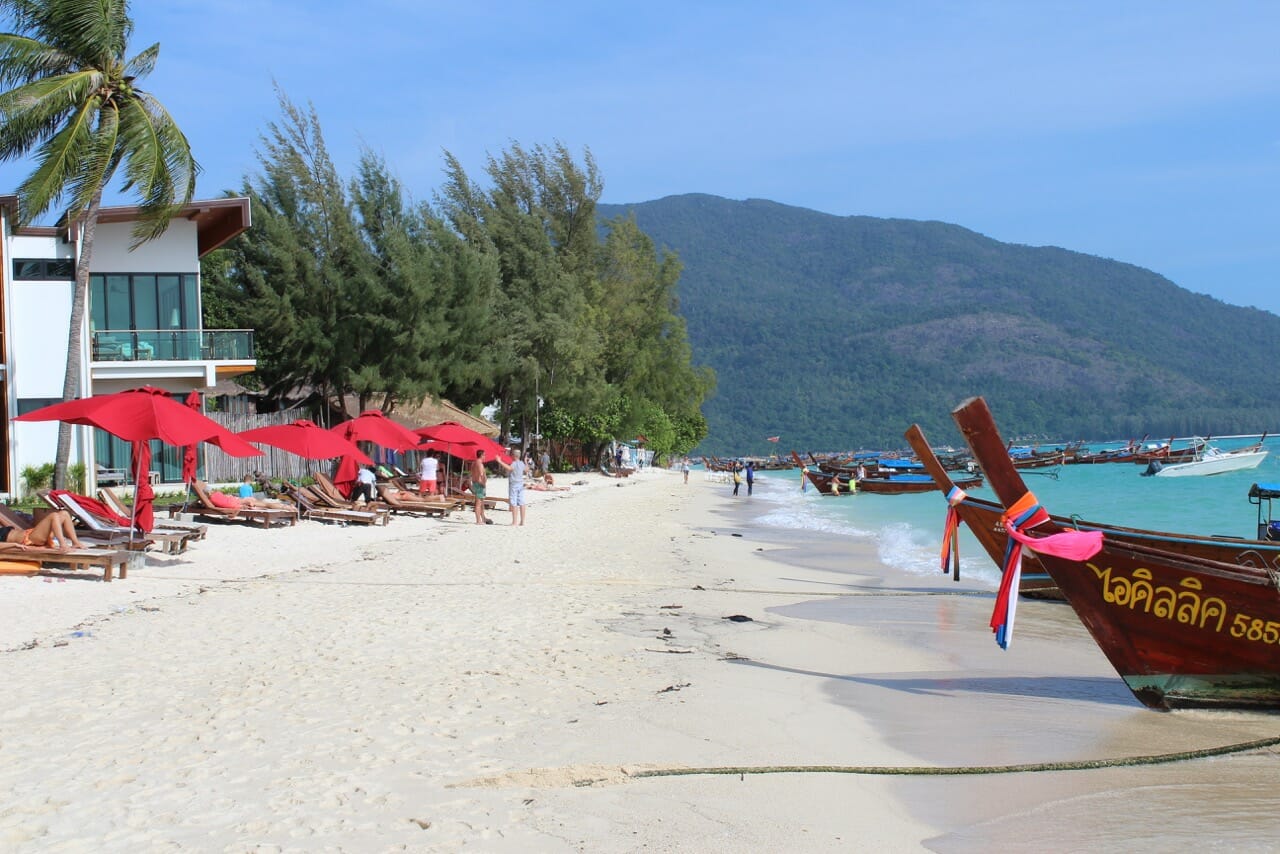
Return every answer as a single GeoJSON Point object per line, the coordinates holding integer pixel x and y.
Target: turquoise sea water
{"type": "Point", "coordinates": [908, 528]}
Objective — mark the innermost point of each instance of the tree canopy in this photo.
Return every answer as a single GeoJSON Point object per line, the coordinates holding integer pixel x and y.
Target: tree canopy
{"type": "Point", "coordinates": [76, 106]}
{"type": "Point", "coordinates": [509, 294]}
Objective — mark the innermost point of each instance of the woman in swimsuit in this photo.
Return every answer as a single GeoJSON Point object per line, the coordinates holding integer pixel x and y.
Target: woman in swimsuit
{"type": "Point", "coordinates": [56, 530]}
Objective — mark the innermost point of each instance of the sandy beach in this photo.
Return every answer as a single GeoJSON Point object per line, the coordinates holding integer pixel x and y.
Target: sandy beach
{"type": "Point", "coordinates": [441, 686]}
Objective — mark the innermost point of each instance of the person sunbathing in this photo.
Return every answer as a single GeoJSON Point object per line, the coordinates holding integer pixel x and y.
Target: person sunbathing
{"type": "Point", "coordinates": [233, 503]}
{"type": "Point", "coordinates": [56, 530]}
{"type": "Point", "coordinates": [547, 484]}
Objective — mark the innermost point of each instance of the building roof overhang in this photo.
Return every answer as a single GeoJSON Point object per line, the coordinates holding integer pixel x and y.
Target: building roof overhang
{"type": "Point", "coordinates": [217, 220]}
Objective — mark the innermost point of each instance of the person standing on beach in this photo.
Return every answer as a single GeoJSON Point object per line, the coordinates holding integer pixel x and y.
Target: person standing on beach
{"type": "Point", "coordinates": [684, 467]}
{"type": "Point", "coordinates": [478, 482]}
{"type": "Point", "coordinates": [737, 477]}
{"type": "Point", "coordinates": [544, 461]}
{"type": "Point", "coordinates": [427, 472]}
{"type": "Point", "coordinates": [751, 477]}
{"type": "Point", "coordinates": [515, 487]}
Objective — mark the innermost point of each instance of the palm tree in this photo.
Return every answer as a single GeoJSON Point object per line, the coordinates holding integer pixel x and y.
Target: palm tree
{"type": "Point", "coordinates": [74, 105]}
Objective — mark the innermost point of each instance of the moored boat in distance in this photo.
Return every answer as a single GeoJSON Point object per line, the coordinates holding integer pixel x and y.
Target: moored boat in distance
{"type": "Point", "coordinates": [1211, 460]}
{"type": "Point", "coordinates": [1182, 631]}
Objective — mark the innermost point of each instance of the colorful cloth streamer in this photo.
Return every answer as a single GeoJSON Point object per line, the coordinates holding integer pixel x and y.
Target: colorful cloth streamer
{"type": "Point", "coordinates": [951, 528]}
{"type": "Point", "coordinates": [1026, 513]}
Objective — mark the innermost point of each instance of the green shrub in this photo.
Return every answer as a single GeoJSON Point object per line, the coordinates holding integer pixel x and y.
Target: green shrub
{"type": "Point", "coordinates": [38, 477]}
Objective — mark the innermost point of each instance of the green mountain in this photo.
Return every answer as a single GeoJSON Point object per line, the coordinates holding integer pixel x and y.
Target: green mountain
{"type": "Point", "coordinates": [838, 332]}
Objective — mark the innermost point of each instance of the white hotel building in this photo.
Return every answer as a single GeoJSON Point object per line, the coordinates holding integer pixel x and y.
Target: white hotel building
{"type": "Point", "coordinates": [143, 326]}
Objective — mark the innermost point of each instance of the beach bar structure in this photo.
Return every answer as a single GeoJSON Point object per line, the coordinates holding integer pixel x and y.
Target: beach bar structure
{"type": "Point", "coordinates": [143, 326]}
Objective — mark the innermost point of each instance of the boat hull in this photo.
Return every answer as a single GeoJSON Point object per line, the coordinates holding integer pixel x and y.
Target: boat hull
{"type": "Point", "coordinates": [1214, 465]}
{"type": "Point", "coordinates": [1180, 630]}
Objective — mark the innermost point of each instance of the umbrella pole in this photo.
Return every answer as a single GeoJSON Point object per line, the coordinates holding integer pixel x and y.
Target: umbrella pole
{"type": "Point", "coordinates": [133, 508]}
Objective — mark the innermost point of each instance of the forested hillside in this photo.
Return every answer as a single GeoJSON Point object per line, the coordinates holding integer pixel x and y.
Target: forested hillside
{"type": "Point", "coordinates": [838, 332]}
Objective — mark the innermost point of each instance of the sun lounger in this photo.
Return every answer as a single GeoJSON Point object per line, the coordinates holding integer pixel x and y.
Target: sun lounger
{"type": "Point", "coordinates": [311, 508]}
{"type": "Point", "coordinates": [204, 508]}
{"type": "Point", "coordinates": [112, 562]}
{"type": "Point", "coordinates": [94, 539]}
{"type": "Point", "coordinates": [407, 503]}
{"type": "Point", "coordinates": [192, 530]}
{"type": "Point", "coordinates": [328, 494]}
{"type": "Point", "coordinates": [95, 525]}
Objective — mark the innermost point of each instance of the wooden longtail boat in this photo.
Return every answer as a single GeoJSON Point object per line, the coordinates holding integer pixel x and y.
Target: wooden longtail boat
{"type": "Point", "coordinates": [899, 484]}
{"type": "Point", "coordinates": [983, 519]}
{"type": "Point", "coordinates": [842, 482]}
{"type": "Point", "coordinates": [1182, 631]}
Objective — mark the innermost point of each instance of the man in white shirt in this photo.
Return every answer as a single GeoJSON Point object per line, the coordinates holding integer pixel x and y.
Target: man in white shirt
{"type": "Point", "coordinates": [427, 474]}
{"type": "Point", "coordinates": [515, 486]}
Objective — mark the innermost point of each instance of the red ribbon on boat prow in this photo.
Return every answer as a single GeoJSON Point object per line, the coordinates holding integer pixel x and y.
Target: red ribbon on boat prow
{"type": "Point", "coordinates": [951, 527]}
{"type": "Point", "coordinates": [1026, 513]}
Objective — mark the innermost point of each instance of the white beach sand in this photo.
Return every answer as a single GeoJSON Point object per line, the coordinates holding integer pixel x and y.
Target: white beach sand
{"type": "Point", "coordinates": [430, 686]}
{"type": "Point", "coordinates": [440, 686]}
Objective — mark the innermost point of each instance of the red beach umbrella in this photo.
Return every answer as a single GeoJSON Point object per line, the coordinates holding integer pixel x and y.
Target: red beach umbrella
{"type": "Point", "coordinates": [141, 414]}
{"type": "Point", "coordinates": [372, 426]}
{"type": "Point", "coordinates": [451, 433]}
{"type": "Point", "coordinates": [138, 416]}
{"type": "Point", "coordinates": [144, 516]}
{"type": "Point", "coordinates": [190, 461]}
{"type": "Point", "coordinates": [305, 439]}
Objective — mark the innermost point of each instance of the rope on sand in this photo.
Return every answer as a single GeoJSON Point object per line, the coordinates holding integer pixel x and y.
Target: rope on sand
{"type": "Point", "coordinates": [955, 770]}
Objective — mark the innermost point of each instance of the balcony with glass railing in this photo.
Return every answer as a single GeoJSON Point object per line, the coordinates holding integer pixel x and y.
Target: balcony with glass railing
{"type": "Point", "coordinates": [172, 345]}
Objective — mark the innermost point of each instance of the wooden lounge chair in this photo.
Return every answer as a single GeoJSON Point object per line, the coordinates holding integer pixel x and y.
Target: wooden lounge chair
{"type": "Point", "coordinates": [193, 531]}
{"type": "Point", "coordinates": [171, 543]}
{"type": "Point", "coordinates": [312, 508]}
{"type": "Point", "coordinates": [459, 490]}
{"type": "Point", "coordinates": [328, 494]}
{"type": "Point", "coordinates": [112, 562]}
{"type": "Point", "coordinates": [402, 503]}
{"type": "Point", "coordinates": [92, 539]}
{"type": "Point", "coordinates": [206, 509]}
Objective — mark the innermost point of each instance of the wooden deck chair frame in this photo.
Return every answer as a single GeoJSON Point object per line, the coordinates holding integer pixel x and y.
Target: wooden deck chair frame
{"type": "Point", "coordinates": [171, 543]}
{"type": "Point", "coordinates": [413, 506]}
{"type": "Point", "coordinates": [311, 508]}
{"type": "Point", "coordinates": [112, 562]}
{"type": "Point", "coordinates": [327, 492]}
{"type": "Point", "coordinates": [206, 509]}
{"type": "Point", "coordinates": [193, 531]}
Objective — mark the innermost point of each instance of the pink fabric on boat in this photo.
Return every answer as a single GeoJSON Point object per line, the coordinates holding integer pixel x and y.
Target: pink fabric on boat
{"type": "Point", "coordinates": [1069, 545]}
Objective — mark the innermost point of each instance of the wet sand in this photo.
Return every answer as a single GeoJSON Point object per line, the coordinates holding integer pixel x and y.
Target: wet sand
{"type": "Point", "coordinates": [1051, 698]}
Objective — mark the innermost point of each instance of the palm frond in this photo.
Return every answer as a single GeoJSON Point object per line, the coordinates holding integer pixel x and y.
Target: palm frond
{"type": "Point", "coordinates": [99, 160]}
{"type": "Point", "coordinates": [157, 164]}
{"type": "Point", "coordinates": [31, 114]}
{"type": "Point", "coordinates": [24, 59]}
{"type": "Point", "coordinates": [144, 63]}
{"type": "Point", "coordinates": [95, 32]}
{"type": "Point", "coordinates": [60, 163]}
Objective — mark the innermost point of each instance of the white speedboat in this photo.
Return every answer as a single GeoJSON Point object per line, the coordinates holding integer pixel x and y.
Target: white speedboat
{"type": "Point", "coordinates": [1212, 461]}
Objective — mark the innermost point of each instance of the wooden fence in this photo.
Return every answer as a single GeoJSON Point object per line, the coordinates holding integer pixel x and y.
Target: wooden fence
{"type": "Point", "coordinates": [220, 467]}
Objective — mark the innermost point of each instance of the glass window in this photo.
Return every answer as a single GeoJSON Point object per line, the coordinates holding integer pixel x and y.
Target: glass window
{"type": "Point", "coordinates": [24, 269]}
{"type": "Point", "coordinates": [119, 313]}
{"type": "Point", "coordinates": [170, 302]}
{"type": "Point", "coordinates": [191, 301]}
{"type": "Point", "coordinates": [146, 312]}
{"type": "Point", "coordinates": [98, 302]}
{"type": "Point", "coordinates": [62, 268]}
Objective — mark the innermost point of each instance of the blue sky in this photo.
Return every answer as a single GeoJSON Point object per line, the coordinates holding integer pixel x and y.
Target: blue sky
{"type": "Point", "coordinates": [1148, 132]}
